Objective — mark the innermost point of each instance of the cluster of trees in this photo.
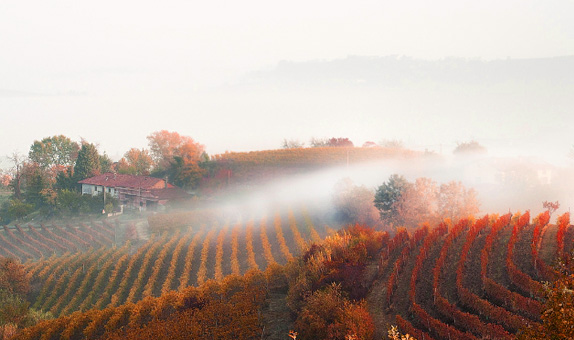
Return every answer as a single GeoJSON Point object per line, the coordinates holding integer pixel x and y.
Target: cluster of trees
{"type": "Point", "coordinates": [46, 180]}
{"type": "Point", "coordinates": [403, 203]}
{"type": "Point", "coordinates": [318, 143]}
{"type": "Point", "coordinates": [327, 285]}
{"type": "Point", "coordinates": [400, 203]}
{"type": "Point", "coordinates": [15, 311]}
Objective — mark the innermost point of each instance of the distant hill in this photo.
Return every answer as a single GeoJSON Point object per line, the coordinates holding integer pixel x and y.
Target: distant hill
{"type": "Point", "coordinates": [396, 71]}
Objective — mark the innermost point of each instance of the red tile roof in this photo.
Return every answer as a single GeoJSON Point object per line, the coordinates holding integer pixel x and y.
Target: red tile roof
{"type": "Point", "coordinates": [126, 181]}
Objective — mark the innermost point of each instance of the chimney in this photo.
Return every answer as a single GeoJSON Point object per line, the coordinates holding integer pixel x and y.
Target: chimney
{"type": "Point", "coordinates": [165, 183]}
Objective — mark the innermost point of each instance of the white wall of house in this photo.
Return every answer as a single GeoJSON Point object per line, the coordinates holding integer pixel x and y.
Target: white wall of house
{"type": "Point", "coordinates": [94, 190]}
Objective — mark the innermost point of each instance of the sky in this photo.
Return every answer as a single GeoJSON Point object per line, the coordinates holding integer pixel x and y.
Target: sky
{"type": "Point", "coordinates": [113, 72]}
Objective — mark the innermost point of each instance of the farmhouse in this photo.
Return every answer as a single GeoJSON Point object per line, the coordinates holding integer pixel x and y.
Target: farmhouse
{"type": "Point", "coordinates": [136, 192]}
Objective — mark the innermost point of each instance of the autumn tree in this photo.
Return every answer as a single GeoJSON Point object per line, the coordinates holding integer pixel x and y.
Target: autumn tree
{"type": "Point", "coordinates": [418, 203]}
{"type": "Point", "coordinates": [330, 142]}
{"type": "Point", "coordinates": [551, 207]}
{"type": "Point", "coordinates": [136, 162]}
{"type": "Point", "coordinates": [14, 309]}
{"type": "Point", "coordinates": [354, 204]}
{"type": "Point", "coordinates": [402, 203]}
{"type": "Point", "coordinates": [340, 142]}
{"type": "Point", "coordinates": [328, 314]}
{"type": "Point", "coordinates": [558, 312]}
{"type": "Point", "coordinates": [176, 156]}
{"type": "Point", "coordinates": [455, 201]}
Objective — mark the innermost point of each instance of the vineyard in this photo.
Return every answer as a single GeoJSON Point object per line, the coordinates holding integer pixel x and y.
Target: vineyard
{"type": "Point", "coordinates": [33, 242]}
{"type": "Point", "coordinates": [81, 276]}
{"type": "Point", "coordinates": [472, 279]}
{"type": "Point", "coordinates": [246, 167]}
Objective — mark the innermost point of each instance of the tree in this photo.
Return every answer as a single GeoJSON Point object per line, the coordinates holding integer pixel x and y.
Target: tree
{"type": "Point", "coordinates": [14, 209]}
{"type": "Point", "coordinates": [354, 204]}
{"type": "Point", "coordinates": [328, 314]}
{"type": "Point", "coordinates": [455, 201]}
{"type": "Point", "coordinates": [35, 184]}
{"type": "Point", "coordinates": [469, 148]}
{"type": "Point", "coordinates": [14, 309]}
{"type": "Point", "coordinates": [177, 156]}
{"type": "Point", "coordinates": [88, 162]}
{"type": "Point", "coordinates": [330, 142]}
{"type": "Point", "coordinates": [292, 144]}
{"type": "Point", "coordinates": [136, 162]}
{"type": "Point", "coordinates": [418, 203]}
{"type": "Point", "coordinates": [558, 312]}
{"type": "Point", "coordinates": [319, 142]}
{"type": "Point", "coordinates": [54, 151]}
{"type": "Point", "coordinates": [340, 142]}
{"type": "Point", "coordinates": [165, 145]}
{"type": "Point", "coordinates": [551, 207]}
{"type": "Point", "coordinates": [16, 174]}
{"type": "Point", "coordinates": [402, 203]}
{"type": "Point", "coordinates": [392, 143]}
{"type": "Point", "coordinates": [105, 163]}
{"type": "Point", "coordinates": [387, 195]}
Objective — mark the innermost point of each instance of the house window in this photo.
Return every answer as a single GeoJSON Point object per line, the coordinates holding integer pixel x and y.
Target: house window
{"type": "Point", "coordinates": [109, 189]}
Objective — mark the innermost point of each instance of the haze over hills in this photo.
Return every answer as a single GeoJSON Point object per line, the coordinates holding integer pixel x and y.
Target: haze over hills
{"type": "Point", "coordinates": [512, 106]}
{"type": "Point", "coordinates": [404, 72]}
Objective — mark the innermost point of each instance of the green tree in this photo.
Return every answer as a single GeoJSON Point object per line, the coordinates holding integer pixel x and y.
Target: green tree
{"type": "Point", "coordinates": [65, 180]}
{"type": "Point", "coordinates": [387, 195]}
{"type": "Point", "coordinates": [54, 151]}
{"type": "Point", "coordinates": [105, 163]}
{"type": "Point", "coordinates": [14, 209]}
{"type": "Point", "coordinates": [36, 182]}
{"type": "Point", "coordinates": [88, 162]}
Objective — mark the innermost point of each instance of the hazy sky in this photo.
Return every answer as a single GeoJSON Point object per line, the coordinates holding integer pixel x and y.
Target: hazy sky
{"type": "Point", "coordinates": [112, 72]}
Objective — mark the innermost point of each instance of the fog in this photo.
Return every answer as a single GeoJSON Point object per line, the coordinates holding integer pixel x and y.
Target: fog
{"type": "Point", "coordinates": [502, 185]}
{"type": "Point", "coordinates": [242, 77]}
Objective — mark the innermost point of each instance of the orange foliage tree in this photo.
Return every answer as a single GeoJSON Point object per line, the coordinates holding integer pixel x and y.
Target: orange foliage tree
{"type": "Point", "coordinates": [558, 314]}
{"type": "Point", "coordinates": [135, 162]}
{"type": "Point", "coordinates": [177, 157]}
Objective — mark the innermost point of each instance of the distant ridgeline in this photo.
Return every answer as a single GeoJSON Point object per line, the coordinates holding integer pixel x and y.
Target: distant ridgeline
{"type": "Point", "coordinates": [243, 167]}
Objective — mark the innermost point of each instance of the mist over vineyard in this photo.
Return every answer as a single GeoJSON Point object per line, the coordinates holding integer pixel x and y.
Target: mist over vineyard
{"type": "Point", "coordinates": [295, 170]}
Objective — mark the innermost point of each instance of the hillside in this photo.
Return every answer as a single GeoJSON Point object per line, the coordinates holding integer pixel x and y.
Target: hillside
{"type": "Point", "coordinates": [248, 168]}
{"type": "Point", "coordinates": [466, 280]}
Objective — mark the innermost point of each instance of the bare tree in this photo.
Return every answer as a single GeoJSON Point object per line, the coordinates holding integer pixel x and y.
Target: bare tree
{"type": "Point", "coordinates": [292, 144]}
{"type": "Point", "coordinates": [17, 160]}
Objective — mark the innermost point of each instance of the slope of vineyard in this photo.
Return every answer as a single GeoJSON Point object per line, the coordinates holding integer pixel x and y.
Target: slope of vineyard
{"type": "Point", "coordinates": [245, 167]}
{"type": "Point", "coordinates": [471, 279]}
{"type": "Point", "coordinates": [32, 242]}
{"type": "Point", "coordinates": [479, 280]}
{"type": "Point", "coordinates": [170, 259]}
